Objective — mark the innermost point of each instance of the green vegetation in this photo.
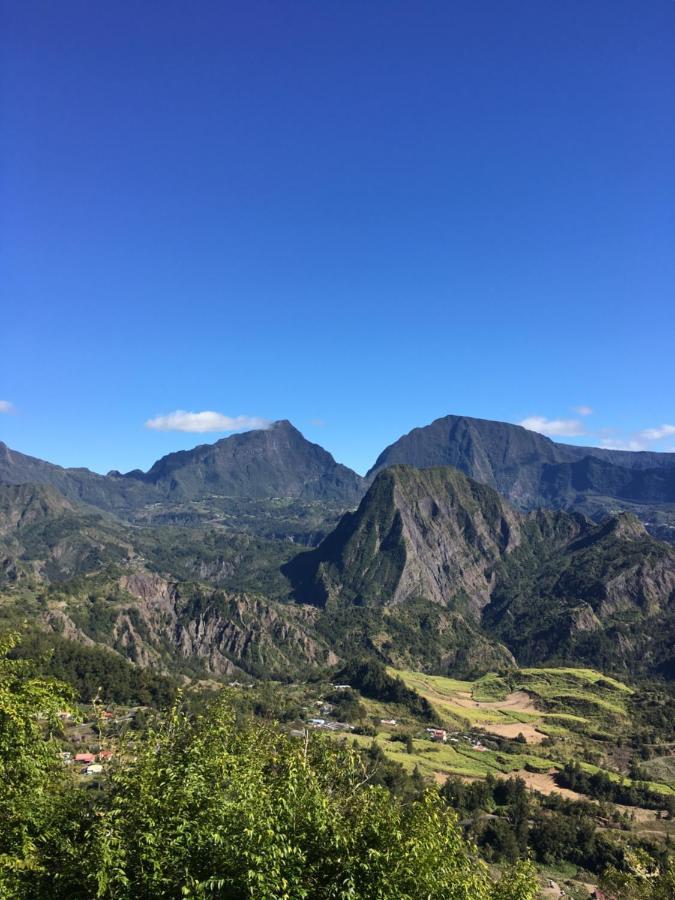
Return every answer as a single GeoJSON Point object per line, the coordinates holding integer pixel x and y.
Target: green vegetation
{"type": "Point", "coordinates": [490, 687]}
{"type": "Point", "coordinates": [219, 805]}
{"type": "Point", "coordinates": [234, 796]}
{"type": "Point", "coordinates": [600, 785]}
{"type": "Point", "coordinates": [95, 672]}
{"type": "Point", "coordinates": [374, 682]}
{"type": "Point", "coordinates": [543, 706]}
{"type": "Point", "coordinates": [31, 774]}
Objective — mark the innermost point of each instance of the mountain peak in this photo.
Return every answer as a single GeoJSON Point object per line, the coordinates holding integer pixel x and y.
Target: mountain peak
{"type": "Point", "coordinates": [533, 471]}
{"type": "Point", "coordinates": [274, 462]}
{"type": "Point", "coordinates": [418, 533]}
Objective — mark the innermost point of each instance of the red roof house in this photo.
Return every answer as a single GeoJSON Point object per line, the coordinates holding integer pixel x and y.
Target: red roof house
{"type": "Point", "coordinates": [84, 757]}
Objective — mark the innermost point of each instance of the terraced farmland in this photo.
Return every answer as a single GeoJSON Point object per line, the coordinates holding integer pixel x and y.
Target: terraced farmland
{"type": "Point", "coordinates": [558, 714]}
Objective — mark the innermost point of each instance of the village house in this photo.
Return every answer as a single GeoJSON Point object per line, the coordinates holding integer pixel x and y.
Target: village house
{"type": "Point", "coordinates": [85, 758]}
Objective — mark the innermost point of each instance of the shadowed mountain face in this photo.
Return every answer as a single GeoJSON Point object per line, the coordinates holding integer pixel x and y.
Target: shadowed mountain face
{"type": "Point", "coordinates": [276, 463]}
{"type": "Point", "coordinates": [546, 584]}
{"type": "Point", "coordinates": [428, 534]}
{"type": "Point", "coordinates": [532, 471]}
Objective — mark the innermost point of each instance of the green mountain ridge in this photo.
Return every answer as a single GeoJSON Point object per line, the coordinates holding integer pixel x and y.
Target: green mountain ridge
{"type": "Point", "coordinates": [532, 471]}
{"type": "Point", "coordinates": [546, 584]}
{"type": "Point", "coordinates": [246, 476]}
{"type": "Point", "coordinates": [434, 571]}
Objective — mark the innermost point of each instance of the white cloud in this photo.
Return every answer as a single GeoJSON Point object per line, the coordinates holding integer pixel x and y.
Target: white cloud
{"type": "Point", "coordinates": [622, 444]}
{"type": "Point", "coordinates": [554, 427]}
{"type": "Point", "coordinates": [657, 434]}
{"type": "Point", "coordinates": [6, 406]}
{"type": "Point", "coordinates": [583, 410]}
{"type": "Point", "coordinates": [202, 422]}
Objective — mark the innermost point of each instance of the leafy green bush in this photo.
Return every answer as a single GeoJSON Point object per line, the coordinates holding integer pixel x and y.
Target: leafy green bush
{"type": "Point", "coordinates": [212, 807]}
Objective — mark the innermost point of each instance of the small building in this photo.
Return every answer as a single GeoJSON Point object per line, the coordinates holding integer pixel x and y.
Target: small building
{"type": "Point", "coordinates": [317, 723]}
{"type": "Point", "coordinates": [438, 734]}
{"type": "Point", "coordinates": [387, 721]}
{"type": "Point", "coordinates": [105, 755]}
{"type": "Point", "coordinates": [94, 769]}
{"type": "Point", "coordinates": [85, 758]}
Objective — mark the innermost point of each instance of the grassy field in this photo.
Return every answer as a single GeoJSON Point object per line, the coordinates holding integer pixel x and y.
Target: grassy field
{"type": "Point", "coordinates": [445, 759]}
{"type": "Point", "coordinates": [661, 768]}
{"type": "Point", "coordinates": [564, 714]}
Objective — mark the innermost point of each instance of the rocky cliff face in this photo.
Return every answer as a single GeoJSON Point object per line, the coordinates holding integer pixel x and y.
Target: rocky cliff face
{"type": "Point", "coordinates": [155, 622]}
{"type": "Point", "coordinates": [431, 534]}
{"type": "Point", "coordinates": [534, 582]}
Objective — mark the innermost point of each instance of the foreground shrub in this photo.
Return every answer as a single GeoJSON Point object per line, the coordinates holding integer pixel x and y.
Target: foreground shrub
{"type": "Point", "coordinates": [215, 808]}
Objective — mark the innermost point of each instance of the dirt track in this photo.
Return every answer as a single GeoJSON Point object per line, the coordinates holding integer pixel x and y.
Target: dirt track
{"type": "Point", "coordinates": [544, 783]}
{"type": "Point", "coordinates": [518, 701]}
{"type": "Point", "coordinates": [512, 730]}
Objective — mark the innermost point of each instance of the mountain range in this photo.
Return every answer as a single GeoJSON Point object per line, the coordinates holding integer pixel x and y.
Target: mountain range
{"type": "Point", "coordinates": [469, 545]}
{"type": "Point", "coordinates": [527, 468]}
{"type": "Point", "coordinates": [547, 585]}
{"type": "Point", "coordinates": [533, 471]}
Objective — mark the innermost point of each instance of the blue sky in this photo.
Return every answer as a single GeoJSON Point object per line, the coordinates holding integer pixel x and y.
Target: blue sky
{"type": "Point", "coordinates": [357, 216]}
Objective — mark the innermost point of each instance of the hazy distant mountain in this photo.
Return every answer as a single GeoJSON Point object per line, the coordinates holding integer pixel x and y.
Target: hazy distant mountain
{"type": "Point", "coordinates": [274, 462]}
{"type": "Point", "coordinates": [80, 484]}
{"type": "Point", "coordinates": [547, 584]}
{"type": "Point", "coordinates": [532, 471]}
{"type": "Point", "coordinates": [277, 463]}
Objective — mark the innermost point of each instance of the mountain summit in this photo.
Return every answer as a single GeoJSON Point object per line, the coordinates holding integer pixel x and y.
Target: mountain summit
{"type": "Point", "coordinates": [547, 584]}
{"type": "Point", "coordinates": [533, 471]}
{"type": "Point", "coordinates": [432, 535]}
{"type": "Point", "coordinates": [274, 462]}
{"type": "Point", "coordinates": [278, 462]}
